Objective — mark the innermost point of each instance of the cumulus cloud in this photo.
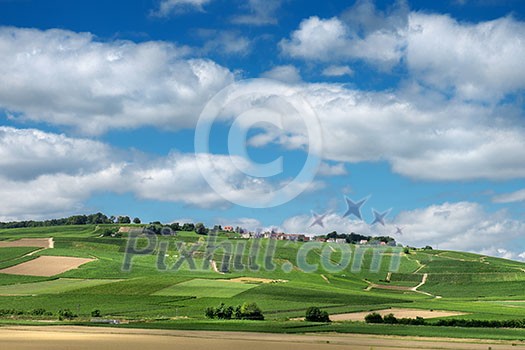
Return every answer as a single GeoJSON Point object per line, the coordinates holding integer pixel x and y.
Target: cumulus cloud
{"type": "Point", "coordinates": [337, 71]}
{"type": "Point", "coordinates": [473, 61]}
{"type": "Point", "coordinates": [225, 42]}
{"type": "Point", "coordinates": [71, 79]}
{"type": "Point", "coordinates": [465, 226]}
{"type": "Point", "coordinates": [476, 61]}
{"type": "Point", "coordinates": [259, 12]}
{"type": "Point", "coordinates": [327, 169]}
{"type": "Point", "coordinates": [459, 226]}
{"type": "Point", "coordinates": [358, 38]}
{"type": "Point", "coordinates": [28, 153]}
{"type": "Point", "coordinates": [46, 174]}
{"type": "Point", "coordinates": [170, 7]}
{"type": "Point", "coordinates": [287, 74]}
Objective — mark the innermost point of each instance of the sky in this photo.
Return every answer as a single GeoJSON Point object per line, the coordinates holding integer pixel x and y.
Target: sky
{"type": "Point", "coordinates": [400, 118]}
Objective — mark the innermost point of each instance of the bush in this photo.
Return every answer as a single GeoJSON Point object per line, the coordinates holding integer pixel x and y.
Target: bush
{"type": "Point", "coordinates": [374, 317]}
{"type": "Point", "coordinates": [314, 314]}
{"type": "Point", "coordinates": [96, 313]}
{"type": "Point", "coordinates": [390, 318]}
{"type": "Point", "coordinates": [66, 314]}
{"type": "Point", "coordinates": [250, 311]}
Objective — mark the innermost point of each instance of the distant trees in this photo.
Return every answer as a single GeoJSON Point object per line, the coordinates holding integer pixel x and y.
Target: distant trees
{"type": "Point", "coordinates": [124, 220]}
{"type": "Point", "coordinates": [188, 227]}
{"type": "Point", "coordinates": [201, 229]}
{"type": "Point", "coordinates": [92, 219]}
{"type": "Point", "coordinates": [246, 311]}
{"type": "Point", "coordinates": [314, 314]}
{"type": "Point", "coordinates": [136, 221]}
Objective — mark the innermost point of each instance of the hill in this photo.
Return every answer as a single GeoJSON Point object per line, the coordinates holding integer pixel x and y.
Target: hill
{"type": "Point", "coordinates": [168, 282]}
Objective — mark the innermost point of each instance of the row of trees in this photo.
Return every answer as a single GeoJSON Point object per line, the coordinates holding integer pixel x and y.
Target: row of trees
{"type": "Point", "coordinates": [353, 238]}
{"type": "Point", "coordinates": [391, 319]}
{"type": "Point", "coordinates": [92, 219]}
{"type": "Point", "coordinates": [246, 311]}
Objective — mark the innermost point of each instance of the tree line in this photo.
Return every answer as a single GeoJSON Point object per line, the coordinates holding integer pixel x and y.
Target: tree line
{"type": "Point", "coordinates": [92, 219]}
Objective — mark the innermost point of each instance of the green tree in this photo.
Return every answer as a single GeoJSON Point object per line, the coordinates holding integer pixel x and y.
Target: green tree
{"type": "Point", "coordinates": [124, 220]}
{"type": "Point", "coordinates": [250, 311]}
{"type": "Point", "coordinates": [201, 229]}
{"type": "Point", "coordinates": [314, 314]}
{"type": "Point", "coordinates": [136, 221]}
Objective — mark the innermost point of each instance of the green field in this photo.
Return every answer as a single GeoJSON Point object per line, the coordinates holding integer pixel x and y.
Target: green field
{"type": "Point", "coordinates": [163, 290]}
{"type": "Point", "coordinates": [205, 288]}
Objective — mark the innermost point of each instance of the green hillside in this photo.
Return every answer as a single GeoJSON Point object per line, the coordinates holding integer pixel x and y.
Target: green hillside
{"type": "Point", "coordinates": [161, 290]}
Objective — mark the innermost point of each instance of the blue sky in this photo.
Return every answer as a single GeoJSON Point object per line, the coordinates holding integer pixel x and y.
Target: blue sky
{"type": "Point", "coordinates": [416, 105]}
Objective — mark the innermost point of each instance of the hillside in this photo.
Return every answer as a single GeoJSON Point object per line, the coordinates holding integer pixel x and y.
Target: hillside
{"type": "Point", "coordinates": [161, 290]}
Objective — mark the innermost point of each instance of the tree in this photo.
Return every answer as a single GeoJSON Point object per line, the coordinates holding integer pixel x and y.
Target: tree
{"type": "Point", "coordinates": [188, 227]}
{"type": "Point", "coordinates": [314, 314]}
{"type": "Point", "coordinates": [201, 229]}
{"type": "Point", "coordinates": [250, 311]}
{"type": "Point", "coordinates": [136, 221]}
{"type": "Point", "coordinates": [374, 317]}
{"type": "Point", "coordinates": [124, 220]}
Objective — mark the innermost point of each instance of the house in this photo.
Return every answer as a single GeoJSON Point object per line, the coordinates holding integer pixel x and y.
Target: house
{"type": "Point", "coordinates": [363, 241]}
{"type": "Point", "coordinates": [246, 235]}
{"type": "Point", "coordinates": [228, 228]}
{"type": "Point", "coordinates": [340, 240]}
{"type": "Point", "coordinates": [330, 240]}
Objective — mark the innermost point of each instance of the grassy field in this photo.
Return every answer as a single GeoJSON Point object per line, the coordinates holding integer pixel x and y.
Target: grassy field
{"type": "Point", "coordinates": [161, 287]}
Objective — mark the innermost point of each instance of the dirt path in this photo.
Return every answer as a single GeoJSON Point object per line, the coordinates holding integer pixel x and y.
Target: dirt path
{"type": "Point", "coordinates": [84, 338]}
{"type": "Point", "coordinates": [214, 267]}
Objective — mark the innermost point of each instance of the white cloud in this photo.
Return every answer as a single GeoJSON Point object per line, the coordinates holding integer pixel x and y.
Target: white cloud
{"type": "Point", "coordinates": [169, 7]}
{"type": "Point", "coordinates": [28, 153]}
{"type": "Point", "coordinates": [517, 196]}
{"type": "Point", "coordinates": [463, 226]}
{"type": "Point", "coordinates": [473, 61]}
{"type": "Point", "coordinates": [431, 140]}
{"type": "Point", "coordinates": [337, 71]}
{"type": "Point", "coordinates": [287, 74]}
{"type": "Point", "coordinates": [70, 79]}
{"type": "Point", "coordinates": [332, 40]}
{"type": "Point", "coordinates": [327, 169]}
{"type": "Point", "coordinates": [459, 226]}
{"type": "Point", "coordinates": [259, 12]}
{"type": "Point", "coordinates": [226, 42]}
{"type": "Point", "coordinates": [477, 61]}
{"type": "Point", "coordinates": [54, 195]}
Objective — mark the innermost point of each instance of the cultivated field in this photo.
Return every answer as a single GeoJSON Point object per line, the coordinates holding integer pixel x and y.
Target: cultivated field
{"type": "Point", "coordinates": [162, 291]}
{"type": "Point", "coordinates": [46, 266]}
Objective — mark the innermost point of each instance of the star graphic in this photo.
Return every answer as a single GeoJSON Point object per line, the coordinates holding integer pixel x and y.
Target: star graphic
{"type": "Point", "coordinates": [379, 218]}
{"type": "Point", "coordinates": [318, 219]}
{"type": "Point", "coordinates": [399, 231]}
{"type": "Point", "coordinates": [354, 208]}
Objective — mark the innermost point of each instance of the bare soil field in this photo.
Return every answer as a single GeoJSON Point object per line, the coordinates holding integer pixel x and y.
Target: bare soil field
{"type": "Point", "coordinates": [46, 266]}
{"type": "Point", "coordinates": [399, 313]}
{"type": "Point", "coordinates": [29, 242]}
{"type": "Point", "coordinates": [83, 338]}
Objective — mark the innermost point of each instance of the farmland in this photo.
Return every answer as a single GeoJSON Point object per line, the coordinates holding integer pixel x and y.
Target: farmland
{"type": "Point", "coordinates": [162, 289]}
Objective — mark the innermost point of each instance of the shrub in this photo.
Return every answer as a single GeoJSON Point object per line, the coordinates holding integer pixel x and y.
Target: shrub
{"type": "Point", "coordinates": [373, 317]}
{"type": "Point", "coordinates": [390, 318]}
{"type": "Point", "coordinates": [66, 314]}
{"type": "Point", "coordinates": [250, 311]}
{"type": "Point", "coordinates": [314, 314]}
{"type": "Point", "coordinates": [96, 313]}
